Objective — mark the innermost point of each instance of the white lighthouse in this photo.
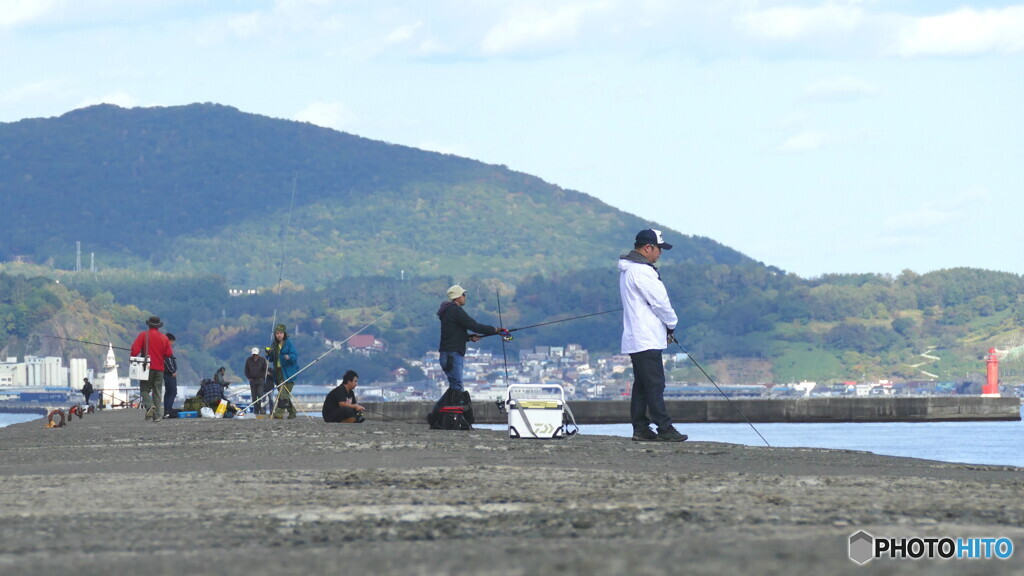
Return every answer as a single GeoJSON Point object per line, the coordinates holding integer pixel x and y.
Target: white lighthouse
{"type": "Point", "coordinates": [112, 393]}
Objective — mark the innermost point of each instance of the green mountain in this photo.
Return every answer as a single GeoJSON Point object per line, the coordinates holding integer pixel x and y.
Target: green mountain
{"type": "Point", "coordinates": [205, 188]}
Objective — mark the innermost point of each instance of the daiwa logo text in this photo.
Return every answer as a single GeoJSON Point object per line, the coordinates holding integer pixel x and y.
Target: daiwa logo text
{"type": "Point", "coordinates": [864, 547]}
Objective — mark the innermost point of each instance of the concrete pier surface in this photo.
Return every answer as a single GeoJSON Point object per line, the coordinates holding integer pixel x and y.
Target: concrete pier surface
{"type": "Point", "coordinates": [112, 494]}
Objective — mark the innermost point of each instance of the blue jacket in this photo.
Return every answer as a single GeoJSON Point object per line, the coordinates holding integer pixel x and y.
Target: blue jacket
{"type": "Point", "coordinates": [289, 359]}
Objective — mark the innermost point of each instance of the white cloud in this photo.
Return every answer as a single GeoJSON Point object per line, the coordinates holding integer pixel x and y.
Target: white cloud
{"type": "Point", "coordinates": [245, 25]}
{"type": "Point", "coordinates": [533, 28]}
{"type": "Point", "coordinates": [964, 31]}
{"type": "Point", "coordinates": [403, 33]}
{"type": "Point", "coordinates": [442, 148]}
{"type": "Point", "coordinates": [14, 13]}
{"type": "Point", "coordinates": [807, 141]}
{"type": "Point", "coordinates": [32, 91]}
{"type": "Point", "coordinates": [934, 215]}
{"type": "Point", "coordinates": [120, 98]}
{"type": "Point", "coordinates": [286, 21]}
{"type": "Point", "coordinates": [844, 88]}
{"type": "Point", "coordinates": [327, 114]}
{"type": "Point", "coordinates": [795, 22]}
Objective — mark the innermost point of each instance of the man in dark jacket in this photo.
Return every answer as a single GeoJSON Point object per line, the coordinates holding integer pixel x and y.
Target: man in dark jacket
{"type": "Point", "coordinates": [212, 392]}
{"type": "Point", "coordinates": [256, 368]}
{"type": "Point", "coordinates": [455, 327]}
{"type": "Point", "coordinates": [87, 389]}
{"type": "Point", "coordinates": [170, 380]}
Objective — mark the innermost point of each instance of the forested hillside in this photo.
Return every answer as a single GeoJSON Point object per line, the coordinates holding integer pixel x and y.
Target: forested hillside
{"type": "Point", "coordinates": [745, 323]}
{"type": "Point", "coordinates": [207, 189]}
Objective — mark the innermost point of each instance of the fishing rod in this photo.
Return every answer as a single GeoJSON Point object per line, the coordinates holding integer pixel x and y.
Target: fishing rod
{"type": "Point", "coordinates": [284, 245]}
{"type": "Point", "coordinates": [331, 349]}
{"type": "Point", "coordinates": [385, 417]}
{"type": "Point", "coordinates": [280, 273]}
{"type": "Point", "coordinates": [692, 359]}
{"type": "Point", "coordinates": [87, 342]}
{"type": "Point", "coordinates": [507, 337]}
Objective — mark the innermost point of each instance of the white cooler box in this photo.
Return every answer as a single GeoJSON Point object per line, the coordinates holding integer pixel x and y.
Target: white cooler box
{"type": "Point", "coordinates": [536, 411]}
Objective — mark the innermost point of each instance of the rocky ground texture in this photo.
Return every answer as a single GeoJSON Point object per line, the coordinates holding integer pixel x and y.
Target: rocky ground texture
{"type": "Point", "coordinates": [113, 494]}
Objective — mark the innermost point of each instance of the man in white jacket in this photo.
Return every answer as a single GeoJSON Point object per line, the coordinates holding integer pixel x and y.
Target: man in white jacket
{"type": "Point", "coordinates": [648, 322]}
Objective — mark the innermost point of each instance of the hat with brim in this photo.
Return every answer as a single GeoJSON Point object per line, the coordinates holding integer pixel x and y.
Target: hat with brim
{"type": "Point", "coordinates": [154, 322]}
{"type": "Point", "coordinates": [651, 236]}
{"type": "Point", "coordinates": [455, 292]}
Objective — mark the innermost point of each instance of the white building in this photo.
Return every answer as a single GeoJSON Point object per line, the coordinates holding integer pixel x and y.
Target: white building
{"type": "Point", "coordinates": [12, 373]}
{"type": "Point", "coordinates": [45, 371]}
{"type": "Point", "coordinates": [79, 369]}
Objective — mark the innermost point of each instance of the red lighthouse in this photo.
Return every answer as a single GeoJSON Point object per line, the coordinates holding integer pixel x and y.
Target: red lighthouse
{"type": "Point", "coordinates": [991, 387]}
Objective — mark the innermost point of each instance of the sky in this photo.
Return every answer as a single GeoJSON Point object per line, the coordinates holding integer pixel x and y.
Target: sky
{"type": "Point", "coordinates": [841, 136]}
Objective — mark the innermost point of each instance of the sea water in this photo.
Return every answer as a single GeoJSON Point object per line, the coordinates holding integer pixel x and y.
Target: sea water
{"type": "Point", "coordinates": [8, 419]}
{"type": "Point", "coordinates": [997, 443]}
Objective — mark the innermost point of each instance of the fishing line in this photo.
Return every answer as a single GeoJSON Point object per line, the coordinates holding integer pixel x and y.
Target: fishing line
{"type": "Point", "coordinates": [87, 342]}
{"type": "Point", "coordinates": [719, 389]}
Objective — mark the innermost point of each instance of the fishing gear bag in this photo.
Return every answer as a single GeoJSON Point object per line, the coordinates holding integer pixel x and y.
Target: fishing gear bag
{"type": "Point", "coordinates": [455, 412]}
{"type": "Point", "coordinates": [193, 404]}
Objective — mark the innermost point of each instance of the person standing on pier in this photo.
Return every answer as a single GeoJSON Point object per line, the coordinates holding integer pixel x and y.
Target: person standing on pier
{"type": "Point", "coordinates": [158, 348]}
{"type": "Point", "coordinates": [284, 359]}
{"type": "Point", "coordinates": [170, 380]}
{"type": "Point", "coordinates": [87, 390]}
{"type": "Point", "coordinates": [256, 372]}
{"type": "Point", "coordinates": [648, 322]}
{"type": "Point", "coordinates": [456, 325]}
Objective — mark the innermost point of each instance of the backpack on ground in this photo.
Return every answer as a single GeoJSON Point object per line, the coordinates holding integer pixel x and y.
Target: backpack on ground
{"type": "Point", "coordinates": [193, 404]}
{"type": "Point", "coordinates": [454, 413]}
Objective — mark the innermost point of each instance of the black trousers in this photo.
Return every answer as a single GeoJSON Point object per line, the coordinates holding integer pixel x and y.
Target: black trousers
{"type": "Point", "coordinates": [648, 401]}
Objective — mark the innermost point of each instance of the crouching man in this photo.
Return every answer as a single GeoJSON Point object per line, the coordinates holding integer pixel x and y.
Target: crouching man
{"type": "Point", "coordinates": [340, 404]}
{"type": "Point", "coordinates": [212, 392]}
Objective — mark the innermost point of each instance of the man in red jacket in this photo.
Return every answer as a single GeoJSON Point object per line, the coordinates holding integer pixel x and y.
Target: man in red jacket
{"type": "Point", "coordinates": [157, 347]}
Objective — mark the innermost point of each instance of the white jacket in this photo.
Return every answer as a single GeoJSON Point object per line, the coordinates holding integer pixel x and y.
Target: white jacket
{"type": "Point", "coordinates": [647, 313]}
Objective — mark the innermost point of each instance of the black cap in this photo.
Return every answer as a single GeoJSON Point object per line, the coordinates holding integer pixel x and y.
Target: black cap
{"type": "Point", "coordinates": [651, 236]}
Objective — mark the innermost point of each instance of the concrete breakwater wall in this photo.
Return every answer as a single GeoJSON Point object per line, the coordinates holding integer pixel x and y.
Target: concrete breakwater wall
{"type": "Point", "coordinates": [924, 409]}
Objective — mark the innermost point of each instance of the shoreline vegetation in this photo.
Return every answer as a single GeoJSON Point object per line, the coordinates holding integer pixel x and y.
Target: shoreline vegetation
{"type": "Point", "coordinates": [113, 493]}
